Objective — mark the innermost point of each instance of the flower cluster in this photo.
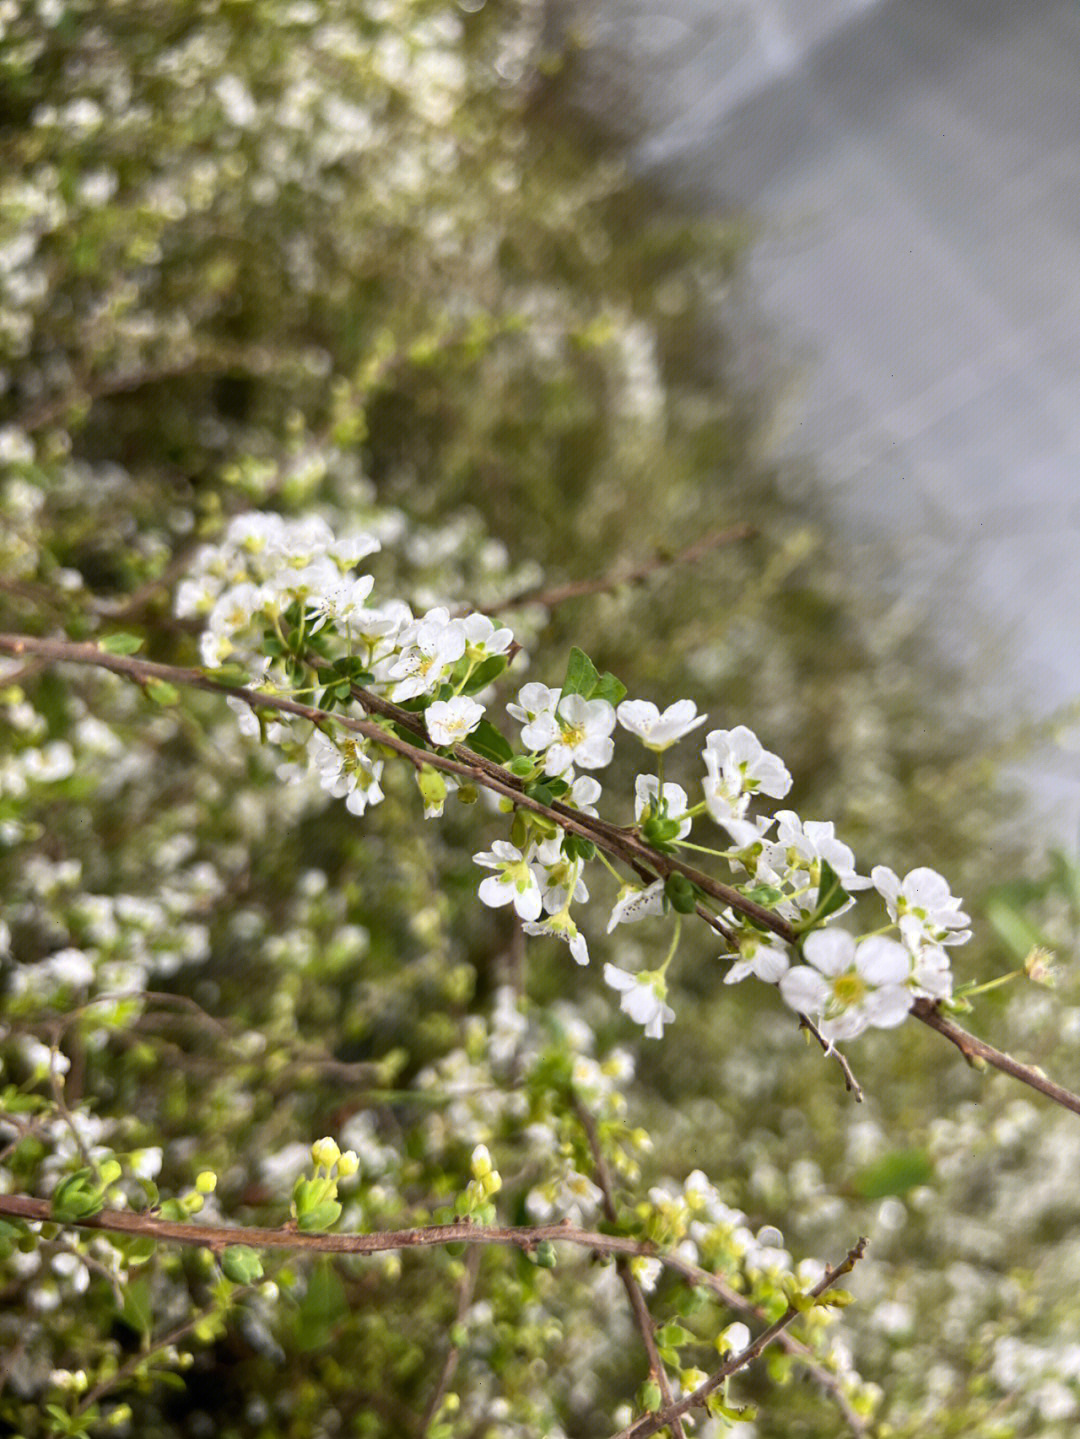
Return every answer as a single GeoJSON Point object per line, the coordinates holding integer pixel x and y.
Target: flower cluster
{"type": "Point", "coordinates": [283, 599]}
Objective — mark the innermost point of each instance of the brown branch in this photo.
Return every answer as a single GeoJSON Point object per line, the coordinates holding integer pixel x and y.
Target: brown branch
{"type": "Point", "coordinates": [651, 1423]}
{"type": "Point", "coordinates": [851, 1084]}
{"type": "Point", "coordinates": [622, 844]}
{"type": "Point", "coordinates": [219, 1236]}
{"type": "Point", "coordinates": [978, 1053]}
{"type": "Point", "coordinates": [453, 1354]}
{"type": "Point", "coordinates": [578, 589]}
{"type": "Point", "coordinates": [638, 1306]}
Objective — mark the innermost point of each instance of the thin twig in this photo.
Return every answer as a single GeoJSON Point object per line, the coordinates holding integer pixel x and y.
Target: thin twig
{"type": "Point", "coordinates": [651, 1423]}
{"type": "Point", "coordinates": [578, 589]}
{"type": "Point", "coordinates": [640, 1309]}
{"type": "Point", "coordinates": [622, 844]}
{"type": "Point", "coordinates": [453, 1354]}
{"type": "Point", "coordinates": [851, 1084]}
{"type": "Point", "coordinates": [525, 1237]}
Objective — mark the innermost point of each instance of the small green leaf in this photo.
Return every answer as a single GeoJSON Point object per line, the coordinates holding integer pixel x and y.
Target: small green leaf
{"type": "Point", "coordinates": [582, 676]}
{"type": "Point", "coordinates": [162, 693]}
{"type": "Point", "coordinates": [894, 1173]}
{"type": "Point", "coordinates": [764, 894]}
{"type": "Point", "coordinates": [120, 644]}
{"type": "Point", "coordinates": [608, 688]}
{"type": "Point", "coordinates": [241, 1264]}
{"type": "Point", "coordinates": [544, 1254]}
{"type": "Point", "coordinates": [540, 793]}
{"type": "Point", "coordinates": [320, 1217]}
{"type": "Point", "coordinates": [672, 1335]}
{"type": "Point", "coordinates": [136, 1312]}
{"type": "Point", "coordinates": [522, 766]}
{"type": "Point", "coordinates": [486, 740]}
{"type": "Point", "coordinates": [228, 674]}
{"type": "Point", "coordinates": [484, 673]}
{"type": "Point", "coordinates": [831, 893]}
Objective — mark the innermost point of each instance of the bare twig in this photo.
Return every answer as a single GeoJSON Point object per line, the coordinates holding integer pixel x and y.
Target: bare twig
{"type": "Point", "coordinates": [640, 1309]}
{"type": "Point", "coordinates": [651, 1423]}
{"type": "Point", "coordinates": [577, 589]}
{"type": "Point", "coordinates": [851, 1084]}
{"type": "Point", "coordinates": [453, 1354]}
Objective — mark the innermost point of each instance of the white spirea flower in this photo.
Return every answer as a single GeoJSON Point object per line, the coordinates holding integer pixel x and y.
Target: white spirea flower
{"type": "Point", "coordinates": [922, 906]}
{"type": "Point", "coordinates": [738, 767]}
{"type": "Point", "coordinates": [514, 884]}
{"type": "Point", "coordinates": [559, 877]}
{"type": "Point", "coordinates": [642, 999]}
{"type": "Point", "coordinates": [584, 735]}
{"type": "Point", "coordinates": [657, 731]}
{"type": "Point", "coordinates": [763, 958]}
{"type": "Point", "coordinates": [430, 646]}
{"type": "Point", "coordinates": [342, 602]}
{"type": "Point", "coordinates": [850, 986]}
{"type": "Point", "coordinates": [736, 1337]}
{"type": "Point", "coordinates": [449, 721]}
{"type": "Point", "coordinates": [805, 843]}
{"type": "Point", "coordinates": [535, 710]}
{"type": "Point", "coordinates": [483, 638]}
{"type": "Point", "coordinates": [561, 926]}
{"type": "Point", "coordinates": [345, 771]}
{"type": "Point", "coordinates": [634, 904]}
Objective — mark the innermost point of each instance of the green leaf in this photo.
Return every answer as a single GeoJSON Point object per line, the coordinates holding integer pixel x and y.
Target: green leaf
{"type": "Point", "coordinates": [120, 644]}
{"type": "Point", "coordinates": [544, 1254]}
{"type": "Point", "coordinates": [241, 1264]}
{"type": "Point", "coordinates": [540, 793]}
{"type": "Point", "coordinates": [320, 1217]}
{"type": "Point", "coordinates": [582, 676]}
{"type": "Point", "coordinates": [486, 740]}
{"type": "Point", "coordinates": [136, 1312]}
{"type": "Point", "coordinates": [233, 675]}
{"type": "Point", "coordinates": [521, 765]}
{"type": "Point", "coordinates": [162, 693]}
{"type": "Point", "coordinates": [894, 1173]}
{"type": "Point", "coordinates": [831, 893]}
{"type": "Point", "coordinates": [672, 1335]}
{"type": "Point", "coordinates": [322, 1309]}
{"type": "Point", "coordinates": [484, 673]}
{"type": "Point", "coordinates": [77, 1197]}
{"type": "Point", "coordinates": [608, 688]}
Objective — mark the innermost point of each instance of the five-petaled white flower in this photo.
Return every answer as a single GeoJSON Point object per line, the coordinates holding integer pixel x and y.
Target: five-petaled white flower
{"type": "Point", "coordinates": [761, 957]}
{"type": "Point", "coordinates": [643, 996]}
{"type": "Point", "coordinates": [535, 709]}
{"type": "Point", "coordinates": [738, 767]}
{"type": "Point", "coordinates": [922, 906]}
{"type": "Point", "coordinates": [429, 647]}
{"type": "Point", "coordinates": [449, 721]}
{"type": "Point", "coordinates": [583, 737]}
{"type": "Point", "coordinates": [850, 986]}
{"type": "Point", "coordinates": [482, 638]}
{"type": "Point", "coordinates": [345, 770]}
{"type": "Point", "coordinates": [657, 731]}
{"type": "Point", "coordinates": [561, 926]}
{"type": "Point", "coordinates": [515, 882]}
{"type": "Point", "coordinates": [634, 903]}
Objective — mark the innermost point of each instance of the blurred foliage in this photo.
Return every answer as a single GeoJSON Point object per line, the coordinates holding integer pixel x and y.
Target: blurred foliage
{"type": "Point", "coordinates": [366, 260]}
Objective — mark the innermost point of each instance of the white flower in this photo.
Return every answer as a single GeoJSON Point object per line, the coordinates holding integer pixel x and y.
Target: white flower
{"type": "Point", "coordinates": [430, 646]}
{"type": "Point", "coordinates": [931, 977]}
{"type": "Point", "coordinates": [736, 1338]}
{"type": "Point", "coordinates": [657, 731]}
{"type": "Point", "coordinates": [515, 883]}
{"type": "Point", "coordinates": [561, 926]}
{"type": "Point", "coordinates": [850, 986]}
{"type": "Point", "coordinates": [675, 800]}
{"type": "Point", "coordinates": [646, 1270]}
{"type": "Point", "coordinates": [246, 717]}
{"type": "Point", "coordinates": [634, 903]}
{"type": "Point", "coordinates": [739, 767]}
{"type": "Point", "coordinates": [807, 842]}
{"type": "Point", "coordinates": [345, 771]}
{"type": "Point", "coordinates": [584, 735]}
{"type": "Point", "coordinates": [583, 794]}
{"type": "Point", "coordinates": [559, 878]}
{"type": "Point", "coordinates": [761, 957]}
{"type": "Point", "coordinates": [483, 638]}
{"type": "Point", "coordinates": [342, 601]}
{"type": "Point", "coordinates": [351, 549]}
{"type": "Point", "coordinates": [449, 721]}
{"type": "Point", "coordinates": [922, 906]}
{"type": "Point", "coordinates": [535, 709]}
{"type": "Point", "coordinates": [642, 999]}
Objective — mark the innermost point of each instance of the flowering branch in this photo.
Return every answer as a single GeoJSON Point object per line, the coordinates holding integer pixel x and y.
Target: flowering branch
{"type": "Point", "coordinates": [624, 844]}
{"type": "Point", "coordinates": [652, 1423]}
